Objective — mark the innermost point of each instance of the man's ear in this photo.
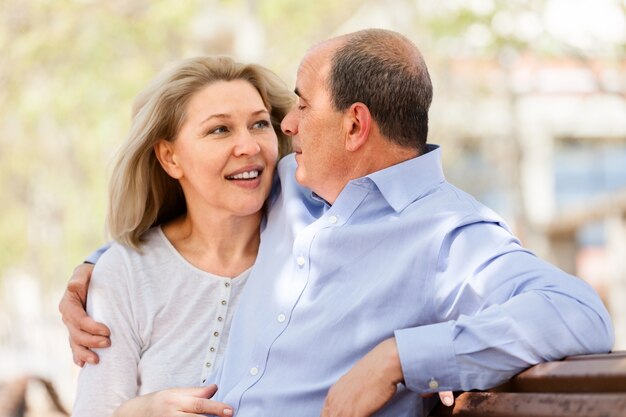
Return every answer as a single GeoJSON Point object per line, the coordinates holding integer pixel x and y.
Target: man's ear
{"type": "Point", "coordinates": [164, 151]}
{"type": "Point", "coordinates": [358, 124]}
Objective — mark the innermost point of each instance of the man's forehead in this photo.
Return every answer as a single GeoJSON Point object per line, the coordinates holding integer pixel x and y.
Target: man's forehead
{"type": "Point", "coordinates": [313, 69]}
{"type": "Point", "coordinates": [311, 64]}
{"type": "Point", "coordinates": [319, 56]}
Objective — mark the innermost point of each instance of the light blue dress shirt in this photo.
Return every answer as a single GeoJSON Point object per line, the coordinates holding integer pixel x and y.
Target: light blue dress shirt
{"type": "Point", "coordinates": [400, 253]}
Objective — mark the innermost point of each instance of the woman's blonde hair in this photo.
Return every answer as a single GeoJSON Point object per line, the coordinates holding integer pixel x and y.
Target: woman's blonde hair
{"type": "Point", "coordinates": [141, 193]}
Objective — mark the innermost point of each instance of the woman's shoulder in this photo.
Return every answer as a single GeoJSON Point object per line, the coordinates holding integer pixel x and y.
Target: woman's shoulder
{"type": "Point", "coordinates": [122, 258]}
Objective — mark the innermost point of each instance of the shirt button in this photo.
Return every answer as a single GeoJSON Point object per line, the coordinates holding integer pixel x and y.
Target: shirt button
{"type": "Point", "coordinates": [433, 384]}
{"type": "Point", "coordinates": [212, 349]}
{"type": "Point", "coordinates": [332, 219]}
{"type": "Point", "coordinates": [281, 318]}
{"type": "Point", "coordinates": [227, 284]}
{"type": "Point", "coordinates": [254, 371]}
{"type": "Point", "coordinates": [223, 302]}
{"type": "Point", "coordinates": [208, 364]}
{"type": "Point", "coordinates": [301, 261]}
{"type": "Point", "coordinates": [220, 318]}
{"type": "Point", "coordinates": [216, 334]}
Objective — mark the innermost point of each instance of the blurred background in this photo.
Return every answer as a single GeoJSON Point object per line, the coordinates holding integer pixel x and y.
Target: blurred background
{"type": "Point", "coordinates": [530, 107]}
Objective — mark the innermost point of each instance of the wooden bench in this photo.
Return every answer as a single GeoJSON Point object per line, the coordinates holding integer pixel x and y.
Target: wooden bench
{"type": "Point", "coordinates": [587, 385]}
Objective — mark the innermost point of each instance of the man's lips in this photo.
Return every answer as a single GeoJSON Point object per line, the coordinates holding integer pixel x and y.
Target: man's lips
{"type": "Point", "coordinates": [295, 145]}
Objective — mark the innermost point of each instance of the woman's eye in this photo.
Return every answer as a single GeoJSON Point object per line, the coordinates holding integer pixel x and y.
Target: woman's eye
{"type": "Point", "coordinates": [261, 124]}
{"type": "Point", "coordinates": [218, 130]}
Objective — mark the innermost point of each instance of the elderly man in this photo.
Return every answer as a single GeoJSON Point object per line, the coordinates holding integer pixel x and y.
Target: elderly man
{"type": "Point", "coordinates": [376, 280]}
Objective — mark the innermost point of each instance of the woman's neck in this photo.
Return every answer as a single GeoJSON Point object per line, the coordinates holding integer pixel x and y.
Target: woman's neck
{"type": "Point", "coordinates": [224, 245]}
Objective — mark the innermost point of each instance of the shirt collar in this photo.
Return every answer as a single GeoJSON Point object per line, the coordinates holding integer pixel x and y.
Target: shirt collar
{"type": "Point", "coordinates": [403, 183]}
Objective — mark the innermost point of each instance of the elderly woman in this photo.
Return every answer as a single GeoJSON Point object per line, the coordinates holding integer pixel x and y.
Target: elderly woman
{"type": "Point", "coordinates": [186, 205]}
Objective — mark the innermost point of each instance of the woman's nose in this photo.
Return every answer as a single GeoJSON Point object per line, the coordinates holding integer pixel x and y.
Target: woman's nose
{"type": "Point", "coordinates": [247, 144]}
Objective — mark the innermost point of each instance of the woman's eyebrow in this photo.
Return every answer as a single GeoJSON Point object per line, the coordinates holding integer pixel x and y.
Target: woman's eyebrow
{"type": "Point", "coordinates": [228, 116]}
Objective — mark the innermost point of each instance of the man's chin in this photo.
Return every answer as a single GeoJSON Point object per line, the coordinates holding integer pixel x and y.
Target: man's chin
{"type": "Point", "coordinates": [300, 177]}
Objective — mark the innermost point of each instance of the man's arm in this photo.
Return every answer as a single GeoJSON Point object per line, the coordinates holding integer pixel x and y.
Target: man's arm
{"type": "Point", "coordinates": [84, 333]}
{"type": "Point", "coordinates": [370, 384]}
{"type": "Point", "coordinates": [498, 310]}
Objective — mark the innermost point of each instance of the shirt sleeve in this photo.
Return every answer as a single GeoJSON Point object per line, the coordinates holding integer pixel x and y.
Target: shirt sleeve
{"type": "Point", "coordinates": [104, 387]}
{"type": "Point", "coordinates": [93, 258]}
{"type": "Point", "coordinates": [498, 310]}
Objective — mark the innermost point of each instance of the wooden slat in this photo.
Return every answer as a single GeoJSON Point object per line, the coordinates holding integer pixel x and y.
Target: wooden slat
{"type": "Point", "coordinates": [504, 404]}
{"type": "Point", "coordinates": [617, 354]}
{"type": "Point", "coordinates": [586, 385]}
{"type": "Point", "coordinates": [585, 374]}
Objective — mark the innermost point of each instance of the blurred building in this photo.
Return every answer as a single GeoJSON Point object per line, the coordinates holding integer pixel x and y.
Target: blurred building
{"type": "Point", "coordinates": [555, 165]}
{"type": "Point", "coordinates": [530, 107]}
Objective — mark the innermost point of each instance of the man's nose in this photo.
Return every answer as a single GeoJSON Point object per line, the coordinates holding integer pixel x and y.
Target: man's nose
{"type": "Point", "coordinates": [289, 125]}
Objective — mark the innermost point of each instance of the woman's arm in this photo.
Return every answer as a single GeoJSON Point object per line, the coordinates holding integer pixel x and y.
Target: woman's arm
{"type": "Point", "coordinates": [85, 333]}
{"type": "Point", "coordinates": [112, 300]}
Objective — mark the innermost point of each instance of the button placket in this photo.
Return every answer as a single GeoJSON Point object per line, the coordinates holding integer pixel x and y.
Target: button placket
{"type": "Point", "coordinates": [301, 264]}
{"type": "Point", "coordinates": [217, 327]}
{"type": "Point", "coordinates": [222, 310]}
{"type": "Point", "coordinates": [299, 271]}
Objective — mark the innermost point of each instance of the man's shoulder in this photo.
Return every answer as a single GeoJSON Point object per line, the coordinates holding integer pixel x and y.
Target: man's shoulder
{"type": "Point", "coordinates": [450, 207]}
{"type": "Point", "coordinates": [473, 208]}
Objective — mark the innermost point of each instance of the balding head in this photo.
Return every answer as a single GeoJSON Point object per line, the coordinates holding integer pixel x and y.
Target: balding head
{"type": "Point", "coordinates": [385, 71]}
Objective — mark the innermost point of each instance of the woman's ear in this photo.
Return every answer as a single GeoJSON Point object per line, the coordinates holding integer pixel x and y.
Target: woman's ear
{"type": "Point", "coordinates": [358, 123]}
{"type": "Point", "coordinates": [164, 151]}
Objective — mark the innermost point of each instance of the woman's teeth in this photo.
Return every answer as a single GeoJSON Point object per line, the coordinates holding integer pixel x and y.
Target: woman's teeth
{"type": "Point", "coordinates": [244, 175]}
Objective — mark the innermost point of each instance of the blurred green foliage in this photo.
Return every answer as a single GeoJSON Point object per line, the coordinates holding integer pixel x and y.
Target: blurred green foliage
{"type": "Point", "coordinates": [68, 73]}
{"type": "Point", "coordinates": [70, 68]}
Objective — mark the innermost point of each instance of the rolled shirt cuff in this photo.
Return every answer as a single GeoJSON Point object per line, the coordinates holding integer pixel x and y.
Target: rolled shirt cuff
{"type": "Point", "coordinates": [428, 359]}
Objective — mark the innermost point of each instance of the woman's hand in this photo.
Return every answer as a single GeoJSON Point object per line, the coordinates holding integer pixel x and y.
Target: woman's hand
{"type": "Point", "coordinates": [175, 402]}
{"type": "Point", "coordinates": [84, 332]}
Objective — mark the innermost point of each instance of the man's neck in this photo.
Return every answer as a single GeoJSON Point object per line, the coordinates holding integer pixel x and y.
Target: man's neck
{"type": "Point", "coordinates": [369, 159]}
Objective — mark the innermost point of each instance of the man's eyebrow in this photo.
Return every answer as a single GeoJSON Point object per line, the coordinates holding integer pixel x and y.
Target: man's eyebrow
{"type": "Point", "coordinates": [298, 93]}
